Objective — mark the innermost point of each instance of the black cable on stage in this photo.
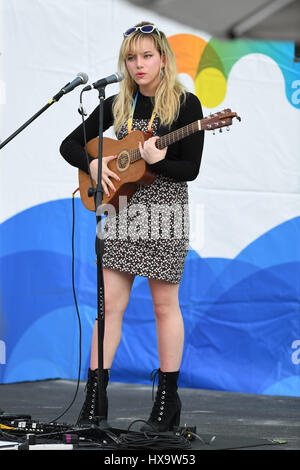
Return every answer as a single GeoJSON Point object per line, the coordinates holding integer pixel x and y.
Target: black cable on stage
{"type": "Point", "coordinates": [77, 312]}
{"type": "Point", "coordinates": [152, 441]}
{"type": "Point", "coordinates": [82, 113]}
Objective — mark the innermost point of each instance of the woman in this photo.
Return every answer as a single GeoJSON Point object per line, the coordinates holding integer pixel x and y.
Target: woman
{"type": "Point", "coordinates": [151, 99]}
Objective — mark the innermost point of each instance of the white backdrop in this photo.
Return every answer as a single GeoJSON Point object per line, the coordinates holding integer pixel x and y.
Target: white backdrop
{"type": "Point", "coordinates": [245, 202]}
{"type": "Point", "coordinates": [44, 45]}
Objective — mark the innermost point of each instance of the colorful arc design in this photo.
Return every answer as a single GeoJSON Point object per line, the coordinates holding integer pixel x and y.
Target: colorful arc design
{"type": "Point", "coordinates": [209, 64]}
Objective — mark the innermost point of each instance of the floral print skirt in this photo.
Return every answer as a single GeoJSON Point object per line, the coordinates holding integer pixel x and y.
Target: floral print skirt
{"type": "Point", "coordinates": [149, 236]}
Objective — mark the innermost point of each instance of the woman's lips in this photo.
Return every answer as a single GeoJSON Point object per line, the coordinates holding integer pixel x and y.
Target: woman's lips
{"type": "Point", "coordinates": [140, 75]}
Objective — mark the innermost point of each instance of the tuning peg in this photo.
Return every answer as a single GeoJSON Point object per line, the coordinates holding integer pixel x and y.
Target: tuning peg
{"type": "Point", "coordinates": [220, 130]}
{"type": "Point", "coordinates": [228, 129]}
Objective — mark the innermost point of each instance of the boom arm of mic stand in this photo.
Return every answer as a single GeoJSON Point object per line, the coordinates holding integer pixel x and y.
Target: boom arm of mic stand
{"type": "Point", "coordinates": [6, 141]}
{"type": "Point", "coordinates": [55, 98]}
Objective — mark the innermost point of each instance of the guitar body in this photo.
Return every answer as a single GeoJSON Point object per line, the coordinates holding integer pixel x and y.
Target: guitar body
{"type": "Point", "coordinates": [129, 165]}
{"type": "Point", "coordinates": [131, 174]}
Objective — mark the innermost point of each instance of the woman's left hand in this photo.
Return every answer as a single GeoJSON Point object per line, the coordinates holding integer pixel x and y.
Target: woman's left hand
{"type": "Point", "coordinates": [150, 153]}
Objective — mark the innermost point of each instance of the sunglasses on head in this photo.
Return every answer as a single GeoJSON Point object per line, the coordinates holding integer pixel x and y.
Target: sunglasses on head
{"type": "Point", "coordinates": [147, 29]}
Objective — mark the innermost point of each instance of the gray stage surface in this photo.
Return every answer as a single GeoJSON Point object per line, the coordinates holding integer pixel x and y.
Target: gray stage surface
{"type": "Point", "coordinates": [223, 419]}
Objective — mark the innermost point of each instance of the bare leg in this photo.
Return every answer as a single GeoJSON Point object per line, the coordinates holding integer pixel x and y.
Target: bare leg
{"type": "Point", "coordinates": [117, 288]}
{"type": "Point", "coordinates": [169, 324]}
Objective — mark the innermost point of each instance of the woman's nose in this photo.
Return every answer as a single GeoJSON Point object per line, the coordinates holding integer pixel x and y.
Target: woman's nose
{"type": "Point", "coordinates": [139, 62]}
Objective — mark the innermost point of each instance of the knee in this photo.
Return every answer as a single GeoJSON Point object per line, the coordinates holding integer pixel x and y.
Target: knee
{"type": "Point", "coordinates": [114, 307]}
{"type": "Point", "coordinates": [162, 310]}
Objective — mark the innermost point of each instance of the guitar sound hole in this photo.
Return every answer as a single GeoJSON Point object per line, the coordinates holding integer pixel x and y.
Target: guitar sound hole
{"type": "Point", "coordinates": [123, 160]}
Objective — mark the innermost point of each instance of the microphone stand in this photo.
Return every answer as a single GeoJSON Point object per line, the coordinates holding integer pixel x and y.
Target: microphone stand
{"type": "Point", "coordinates": [97, 192]}
{"type": "Point", "coordinates": [99, 247]}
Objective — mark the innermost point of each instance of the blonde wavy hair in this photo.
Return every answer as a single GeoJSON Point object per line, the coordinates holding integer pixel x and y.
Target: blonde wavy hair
{"type": "Point", "coordinates": [169, 91]}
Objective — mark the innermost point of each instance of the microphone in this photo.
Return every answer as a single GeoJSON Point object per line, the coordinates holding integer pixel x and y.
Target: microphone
{"type": "Point", "coordinates": [80, 79]}
{"type": "Point", "coordinates": [115, 78]}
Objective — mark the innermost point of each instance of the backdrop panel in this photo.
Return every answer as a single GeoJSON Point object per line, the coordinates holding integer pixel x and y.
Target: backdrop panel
{"type": "Point", "coordinates": [240, 291]}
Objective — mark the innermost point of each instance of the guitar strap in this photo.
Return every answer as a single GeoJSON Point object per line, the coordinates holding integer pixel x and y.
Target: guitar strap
{"type": "Point", "coordinates": [130, 119]}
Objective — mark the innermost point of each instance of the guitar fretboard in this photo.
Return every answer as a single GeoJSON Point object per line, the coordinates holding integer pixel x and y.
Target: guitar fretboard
{"type": "Point", "coordinates": [170, 138]}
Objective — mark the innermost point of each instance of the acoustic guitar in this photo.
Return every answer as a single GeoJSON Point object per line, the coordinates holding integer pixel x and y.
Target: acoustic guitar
{"type": "Point", "coordinates": [130, 166]}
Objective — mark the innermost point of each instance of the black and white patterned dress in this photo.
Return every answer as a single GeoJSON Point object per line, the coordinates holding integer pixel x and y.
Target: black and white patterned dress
{"type": "Point", "coordinates": [150, 236]}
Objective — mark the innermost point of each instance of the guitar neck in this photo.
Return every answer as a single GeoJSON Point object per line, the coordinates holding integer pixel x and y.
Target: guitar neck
{"type": "Point", "coordinates": [178, 134]}
{"type": "Point", "coordinates": [171, 138]}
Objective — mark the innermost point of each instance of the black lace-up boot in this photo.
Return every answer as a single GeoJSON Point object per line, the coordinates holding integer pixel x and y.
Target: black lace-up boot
{"type": "Point", "coordinates": [91, 407]}
{"type": "Point", "coordinates": [166, 410]}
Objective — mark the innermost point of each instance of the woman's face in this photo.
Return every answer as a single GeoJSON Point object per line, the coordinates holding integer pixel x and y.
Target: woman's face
{"type": "Point", "coordinates": [144, 65]}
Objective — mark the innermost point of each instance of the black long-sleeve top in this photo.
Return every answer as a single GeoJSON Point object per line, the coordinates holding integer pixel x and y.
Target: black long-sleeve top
{"type": "Point", "coordinates": [183, 158]}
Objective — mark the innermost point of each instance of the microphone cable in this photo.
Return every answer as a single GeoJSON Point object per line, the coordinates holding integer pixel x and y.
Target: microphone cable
{"type": "Point", "coordinates": [77, 312]}
{"type": "Point", "coordinates": [82, 112]}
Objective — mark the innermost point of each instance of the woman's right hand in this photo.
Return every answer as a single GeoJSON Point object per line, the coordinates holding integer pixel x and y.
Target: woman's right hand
{"type": "Point", "coordinates": [106, 173]}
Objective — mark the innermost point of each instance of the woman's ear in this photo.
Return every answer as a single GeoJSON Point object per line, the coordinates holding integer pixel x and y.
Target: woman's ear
{"type": "Point", "coordinates": [163, 61]}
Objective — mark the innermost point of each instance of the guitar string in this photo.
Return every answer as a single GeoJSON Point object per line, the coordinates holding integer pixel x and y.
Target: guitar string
{"type": "Point", "coordinates": [168, 139]}
{"type": "Point", "coordinates": [178, 134]}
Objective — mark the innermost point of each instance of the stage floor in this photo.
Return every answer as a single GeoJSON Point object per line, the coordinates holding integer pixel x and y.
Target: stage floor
{"type": "Point", "coordinates": [223, 419]}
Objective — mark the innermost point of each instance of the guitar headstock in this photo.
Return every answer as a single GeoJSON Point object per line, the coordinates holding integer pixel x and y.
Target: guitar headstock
{"type": "Point", "coordinates": [218, 120]}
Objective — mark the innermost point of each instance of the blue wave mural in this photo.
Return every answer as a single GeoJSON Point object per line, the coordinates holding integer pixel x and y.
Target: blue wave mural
{"type": "Point", "coordinates": [241, 315]}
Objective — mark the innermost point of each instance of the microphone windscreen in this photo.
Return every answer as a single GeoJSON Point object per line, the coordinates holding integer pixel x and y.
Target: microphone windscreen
{"type": "Point", "coordinates": [83, 77]}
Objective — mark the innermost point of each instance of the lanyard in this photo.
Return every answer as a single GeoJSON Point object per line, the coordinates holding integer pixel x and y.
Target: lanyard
{"type": "Point", "coordinates": [130, 119]}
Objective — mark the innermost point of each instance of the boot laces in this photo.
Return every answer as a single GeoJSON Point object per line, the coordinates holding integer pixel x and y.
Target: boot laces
{"type": "Point", "coordinates": [90, 401]}
{"type": "Point", "coordinates": [160, 399]}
